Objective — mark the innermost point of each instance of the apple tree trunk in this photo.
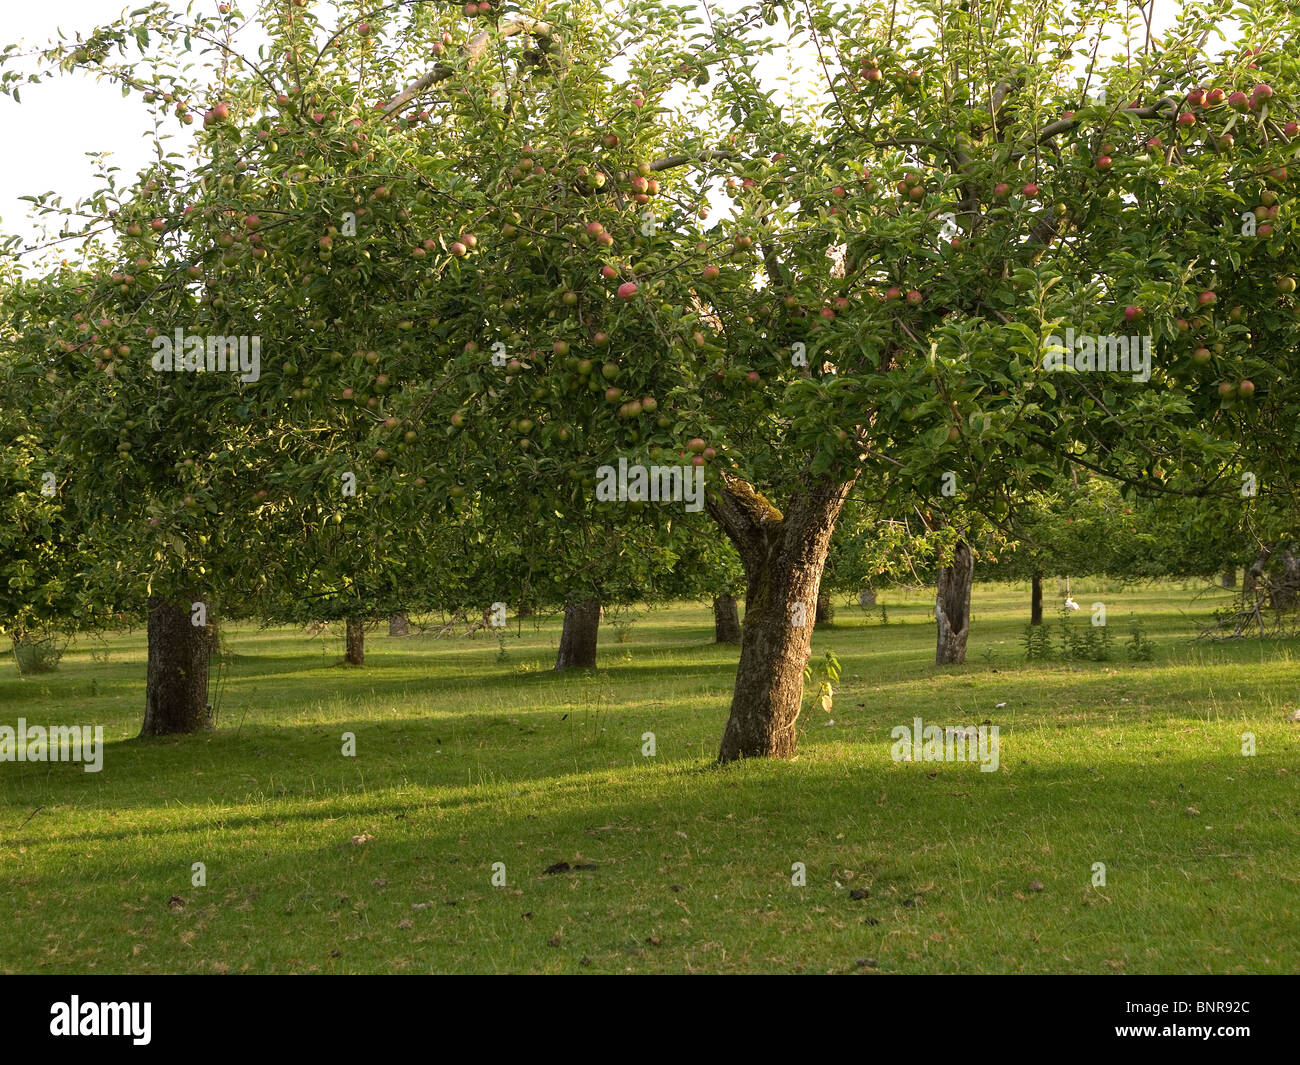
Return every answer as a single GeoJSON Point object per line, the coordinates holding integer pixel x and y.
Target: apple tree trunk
{"type": "Point", "coordinates": [1229, 579]}
{"type": "Point", "coordinates": [783, 556]}
{"type": "Point", "coordinates": [952, 607]}
{"type": "Point", "coordinates": [176, 680]}
{"type": "Point", "coordinates": [399, 625]}
{"type": "Point", "coordinates": [726, 619]}
{"type": "Point", "coordinates": [354, 642]}
{"type": "Point", "coordinates": [578, 640]}
{"type": "Point", "coordinates": [1036, 601]}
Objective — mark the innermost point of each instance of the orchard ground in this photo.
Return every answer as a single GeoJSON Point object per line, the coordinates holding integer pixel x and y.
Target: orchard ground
{"type": "Point", "coordinates": [464, 760]}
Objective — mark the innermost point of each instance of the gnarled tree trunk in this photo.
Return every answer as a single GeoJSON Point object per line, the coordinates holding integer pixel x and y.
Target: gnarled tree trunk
{"type": "Point", "coordinates": [399, 625]}
{"type": "Point", "coordinates": [952, 607]}
{"type": "Point", "coordinates": [354, 642]}
{"type": "Point", "coordinates": [726, 619]}
{"type": "Point", "coordinates": [578, 640]}
{"type": "Point", "coordinates": [1036, 600]}
{"type": "Point", "coordinates": [783, 556]}
{"type": "Point", "coordinates": [176, 679]}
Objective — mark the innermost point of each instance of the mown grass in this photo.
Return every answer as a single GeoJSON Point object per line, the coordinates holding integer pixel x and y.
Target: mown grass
{"type": "Point", "coordinates": [464, 760]}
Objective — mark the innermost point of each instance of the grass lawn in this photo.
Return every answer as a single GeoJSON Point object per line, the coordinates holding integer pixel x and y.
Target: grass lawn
{"type": "Point", "coordinates": [464, 760]}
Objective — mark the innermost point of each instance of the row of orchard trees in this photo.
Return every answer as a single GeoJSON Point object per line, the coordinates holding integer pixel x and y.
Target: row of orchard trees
{"type": "Point", "coordinates": [483, 254]}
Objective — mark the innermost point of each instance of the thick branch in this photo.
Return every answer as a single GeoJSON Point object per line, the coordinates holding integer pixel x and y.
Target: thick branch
{"type": "Point", "coordinates": [747, 518]}
{"type": "Point", "coordinates": [473, 51]}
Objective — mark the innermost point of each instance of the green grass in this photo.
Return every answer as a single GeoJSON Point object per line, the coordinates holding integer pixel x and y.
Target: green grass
{"type": "Point", "coordinates": [463, 760]}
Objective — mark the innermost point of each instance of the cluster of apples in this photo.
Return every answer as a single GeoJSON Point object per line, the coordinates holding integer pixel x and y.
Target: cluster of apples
{"type": "Point", "coordinates": [913, 297]}
{"type": "Point", "coordinates": [911, 188]}
{"type": "Point", "coordinates": [182, 109]}
{"type": "Point", "coordinates": [1266, 212]}
{"type": "Point", "coordinates": [1002, 190]}
{"type": "Point", "coordinates": [1240, 101]}
{"type": "Point", "coordinates": [870, 72]}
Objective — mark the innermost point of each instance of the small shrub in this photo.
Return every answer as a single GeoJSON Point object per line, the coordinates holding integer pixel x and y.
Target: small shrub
{"type": "Point", "coordinates": [37, 655]}
{"type": "Point", "coordinates": [1140, 649]}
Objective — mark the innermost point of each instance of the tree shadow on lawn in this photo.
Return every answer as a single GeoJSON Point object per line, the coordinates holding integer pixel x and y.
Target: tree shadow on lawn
{"type": "Point", "coordinates": [957, 842]}
{"type": "Point", "coordinates": [174, 766]}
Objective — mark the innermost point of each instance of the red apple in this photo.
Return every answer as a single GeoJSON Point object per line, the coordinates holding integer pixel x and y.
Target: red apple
{"type": "Point", "coordinates": [1030, 191]}
{"type": "Point", "coordinates": [1132, 312]}
{"type": "Point", "coordinates": [1246, 388]}
{"type": "Point", "coordinates": [627, 290]}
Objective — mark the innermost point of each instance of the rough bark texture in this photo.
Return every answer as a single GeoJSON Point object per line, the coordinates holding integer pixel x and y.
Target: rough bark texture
{"type": "Point", "coordinates": [726, 619]}
{"type": "Point", "coordinates": [176, 681]}
{"type": "Point", "coordinates": [783, 556]}
{"type": "Point", "coordinates": [399, 625]}
{"type": "Point", "coordinates": [1036, 601]}
{"type": "Point", "coordinates": [354, 643]}
{"type": "Point", "coordinates": [952, 607]}
{"type": "Point", "coordinates": [578, 640]}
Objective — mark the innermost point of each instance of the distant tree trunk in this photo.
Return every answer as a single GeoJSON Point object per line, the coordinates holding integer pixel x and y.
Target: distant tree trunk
{"type": "Point", "coordinates": [825, 610]}
{"type": "Point", "coordinates": [1250, 583]}
{"type": "Point", "coordinates": [354, 643]}
{"type": "Point", "coordinates": [1282, 593]}
{"type": "Point", "coordinates": [1229, 579]}
{"type": "Point", "coordinates": [525, 609]}
{"type": "Point", "coordinates": [399, 625]}
{"type": "Point", "coordinates": [952, 607]}
{"type": "Point", "coordinates": [726, 619]}
{"type": "Point", "coordinates": [176, 679]}
{"type": "Point", "coordinates": [578, 640]}
{"type": "Point", "coordinates": [867, 598]}
{"type": "Point", "coordinates": [1036, 600]}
